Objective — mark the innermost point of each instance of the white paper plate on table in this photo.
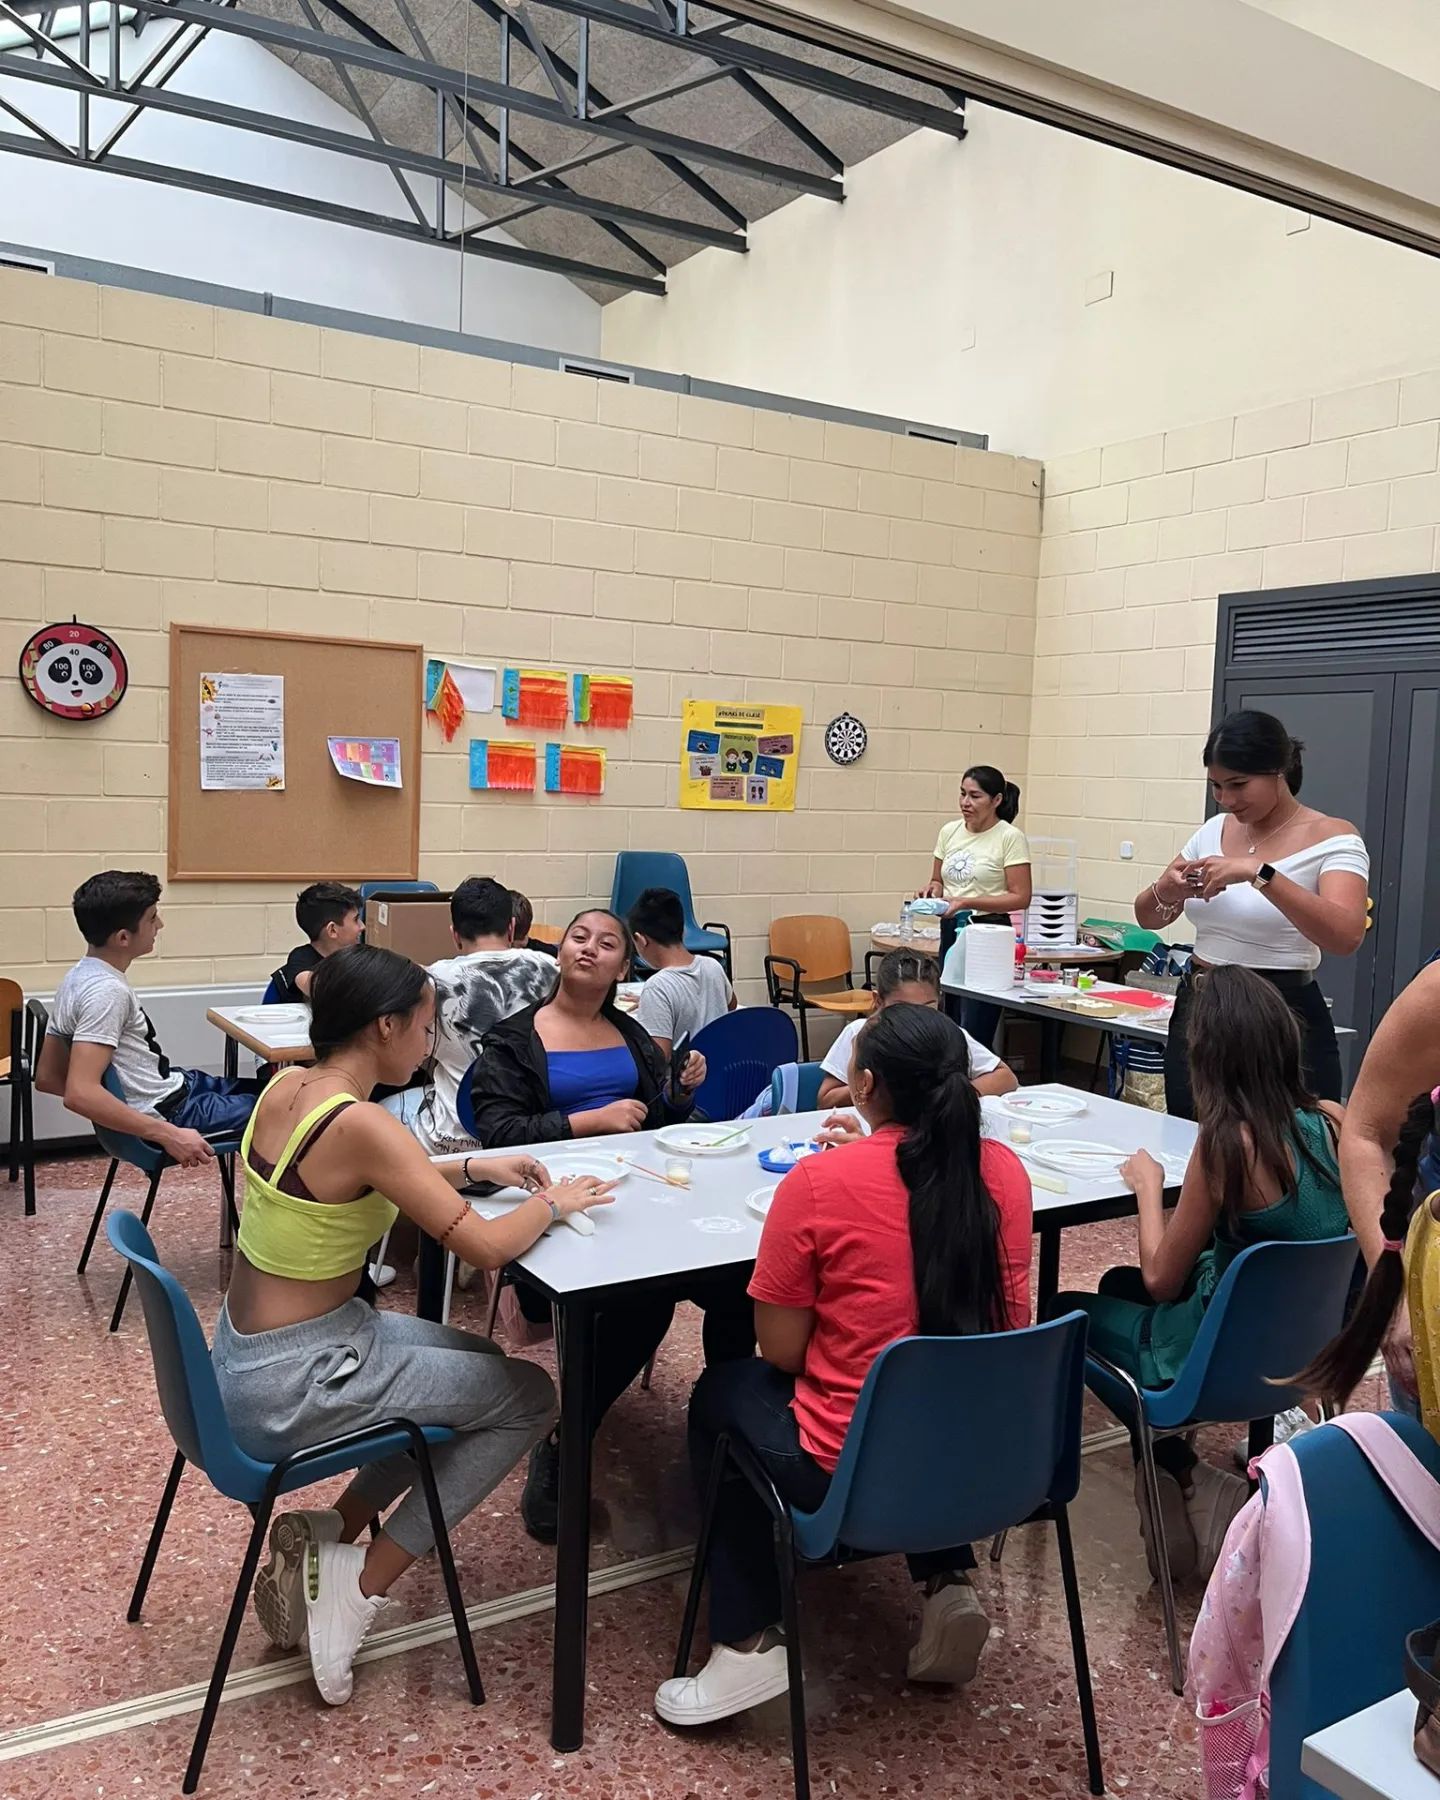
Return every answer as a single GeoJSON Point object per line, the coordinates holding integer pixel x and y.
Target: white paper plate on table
{"type": "Point", "coordinates": [1078, 1157]}
{"type": "Point", "coordinates": [572, 1168]}
{"type": "Point", "coordinates": [279, 1014]}
{"type": "Point", "coordinates": [759, 1201]}
{"type": "Point", "coordinates": [1042, 1109]}
{"type": "Point", "coordinates": [703, 1140]}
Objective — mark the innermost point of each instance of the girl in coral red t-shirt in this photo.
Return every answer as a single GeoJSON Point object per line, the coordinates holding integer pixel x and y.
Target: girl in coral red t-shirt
{"type": "Point", "coordinates": [923, 1226]}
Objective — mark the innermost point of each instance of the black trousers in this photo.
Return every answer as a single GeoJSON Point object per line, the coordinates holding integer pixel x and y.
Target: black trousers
{"type": "Point", "coordinates": [628, 1335]}
{"type": "Point", "coordinates": [751, 1400]}
{"type": "Point", "coordinates": [1319, 1051]}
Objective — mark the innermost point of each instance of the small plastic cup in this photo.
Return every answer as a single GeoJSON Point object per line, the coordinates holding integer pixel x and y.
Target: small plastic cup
{"type": "Point", "coordinates": [678, 1170]}
{"type": "Point", "coordinates": [1019, 1132]}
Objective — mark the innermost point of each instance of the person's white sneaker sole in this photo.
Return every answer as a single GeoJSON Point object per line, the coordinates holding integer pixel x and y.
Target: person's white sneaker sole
{"type": "Point", "coordinates": [953, 1635]}
{"type": "Point", "coordinates": [768, 1683]}
{"type": "Point", "coordinates": [279, 1587]}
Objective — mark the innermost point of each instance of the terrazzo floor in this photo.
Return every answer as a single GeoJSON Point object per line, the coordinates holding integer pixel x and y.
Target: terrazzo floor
{"type": "Point", "coordinates": [83, 1457]}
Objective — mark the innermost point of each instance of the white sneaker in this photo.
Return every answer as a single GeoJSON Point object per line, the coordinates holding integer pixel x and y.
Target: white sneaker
{"type": "Point", "coordinates": [731, 1682]}
{"type": "Point", "coordinates": [381, 1274]}
{"type": "Point", "coordinates": [279, 1596]}
{"type": "Point", "coordinates": [953, 1633]}
{"type": "Point", "coordinates": [465, 1274]}
{"type": "Point", "coordinates": [338, 1616]}
{"type": "Point", "coordinates": [1212, 1502]}
{"type": "Point", "coordinates": [1288, 1424]}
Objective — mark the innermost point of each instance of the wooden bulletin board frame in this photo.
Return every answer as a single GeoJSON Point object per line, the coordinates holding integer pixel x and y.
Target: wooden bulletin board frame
{"type": "Point", "coordinates": [320, 825]}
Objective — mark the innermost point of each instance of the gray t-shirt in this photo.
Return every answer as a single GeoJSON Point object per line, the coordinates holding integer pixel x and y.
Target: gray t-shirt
{"type": "Point", "coordinates": [674, 1001]}
{"type": "Point", "coordinates": [473, 993]}
{"type": "Point", "coordinates": [95, 1004]}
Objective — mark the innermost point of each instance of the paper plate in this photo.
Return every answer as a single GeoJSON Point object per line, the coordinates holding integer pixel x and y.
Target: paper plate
{"type": "Point", "coordinates": [603, 1168]}
{"type": "Point", "coordinates": [775, 1163]}
{"type": "Point", "coordinates": [1079, 1157]}
{"type": "Point", "coordinates": [759, 1201]}
{"type": "Point", "coordinates": [272, 1015]}
{"type": "Point", "coordinates": [1042, 1109]}
{"type": "Point", "coordinates": [703, 1140]}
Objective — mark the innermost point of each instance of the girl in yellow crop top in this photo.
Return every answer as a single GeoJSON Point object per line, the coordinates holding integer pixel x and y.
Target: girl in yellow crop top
{"type": "Point", "coordinates": [300, 1358]}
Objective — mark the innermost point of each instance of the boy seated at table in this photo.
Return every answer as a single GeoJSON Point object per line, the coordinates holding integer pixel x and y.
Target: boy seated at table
{"type": "Point", "coordinates": [97, 1023]}
{"type": "Point", "coordinates": [523, 913]}
{"type": "Point", "coordinates": [905, 978]}
{"type": "Point", "coordinates": [687, 992]}
{"type": "Point", "coordinates": [328, 913]}
{"type": "Point", "coordinates": [490, 977]}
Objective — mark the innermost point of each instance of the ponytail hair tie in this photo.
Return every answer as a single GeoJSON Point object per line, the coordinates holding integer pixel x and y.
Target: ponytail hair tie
{"type": "Point", "coordinates": [1395, 1244]}
{"type": "Point", "coordinates": [1435, 1096]}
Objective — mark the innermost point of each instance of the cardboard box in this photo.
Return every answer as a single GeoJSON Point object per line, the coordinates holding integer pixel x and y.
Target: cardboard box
{"type": "Point", "coordinates": [417, 925]}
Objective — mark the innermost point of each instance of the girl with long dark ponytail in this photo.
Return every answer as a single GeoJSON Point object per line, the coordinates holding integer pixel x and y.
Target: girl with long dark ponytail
{"type": "Point", "coordinates": [1343, 1363]}
{"type": "Point", "coordinates": [923, 1226]}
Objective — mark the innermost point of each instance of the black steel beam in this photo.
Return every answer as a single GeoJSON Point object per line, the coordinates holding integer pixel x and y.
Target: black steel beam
{"type": "Point", "coordinates": [193, 181]}
{"type": "Point", "coordinates": [490, 93]}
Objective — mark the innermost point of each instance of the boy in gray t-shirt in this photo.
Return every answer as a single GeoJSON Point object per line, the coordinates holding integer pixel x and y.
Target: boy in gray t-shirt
{"type": "Point", "coordinates": [687, 992]}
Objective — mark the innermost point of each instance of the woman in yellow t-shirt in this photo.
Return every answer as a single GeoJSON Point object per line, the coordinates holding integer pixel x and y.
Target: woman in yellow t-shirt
{"type": "Point", "coordinates": [982, 866]}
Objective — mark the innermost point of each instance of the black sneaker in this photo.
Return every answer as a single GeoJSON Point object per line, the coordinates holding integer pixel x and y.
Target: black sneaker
{"type": "Point", "coordinates": [540, 1502]}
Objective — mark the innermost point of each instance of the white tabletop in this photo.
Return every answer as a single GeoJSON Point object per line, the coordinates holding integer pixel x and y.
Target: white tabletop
{"type": "Point", "coordinates": [265, 1029]}
{"type": "Point", "coordinates": [1369, 1756]}
{"type": "Point", "coordinates": [1153, 1023]}
{"type": "Point", "coordinates": [651, 1231]}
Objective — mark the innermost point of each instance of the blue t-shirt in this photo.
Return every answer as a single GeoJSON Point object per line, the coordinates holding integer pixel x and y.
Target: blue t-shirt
{"type": "Point", "coordinates": [584, 1080]}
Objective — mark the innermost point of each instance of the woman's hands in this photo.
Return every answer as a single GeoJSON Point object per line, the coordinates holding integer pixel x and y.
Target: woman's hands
{"type": "Point", "coordinates": [1213, 874]}
{"type": "Point", "coordinates": [1142, 1174]}
{"type": "Point", "coordinates": [693, 1073]}
{"type": "Point", "coordinates": [1174, 887]}
{"type": "Point", "coordinates": [578, 1194]}
{"type": "Point", "coordinates": [619, 1115]}
{"type": "Point", "coordinates": [839, 1129]}
{"type": "Point", "coordinates": [933, 890]}
{"type": "Point", "coordinates": [509, 1171]}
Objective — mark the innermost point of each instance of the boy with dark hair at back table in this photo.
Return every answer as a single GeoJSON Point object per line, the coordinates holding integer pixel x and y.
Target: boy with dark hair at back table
{"type": "Point", "coordinates": [523, 914]}
{"type": "Point", "coordinates": [328, 913]}
{"type": "Point", "coordinates": [687, 992]}
{"type": "Point", "coordinates": [489, 978]}
{"type": "Point", "coordinates": [97, 1023]}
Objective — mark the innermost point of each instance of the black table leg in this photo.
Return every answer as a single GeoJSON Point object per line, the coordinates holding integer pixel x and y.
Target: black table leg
{"type": "Point", "coordinates": [1052, 1034]}
{"type": "Point", "coordinates": [429, 1279]}
{"type": "Point", "coordinates": [1048, 1284]}
{"type": "Point", "coordinates": [572, 1555]}
{"type": "Point", "coordinates": [231, 1071]}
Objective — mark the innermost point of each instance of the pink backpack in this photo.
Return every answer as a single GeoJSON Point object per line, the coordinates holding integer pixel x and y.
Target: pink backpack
{"type": "Point", "coordinates": [1255, 1593]}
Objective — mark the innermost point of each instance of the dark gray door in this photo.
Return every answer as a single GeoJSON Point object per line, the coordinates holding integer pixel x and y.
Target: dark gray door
{"type": "Point", "coordinates": [1344, 721]}
{"type": "Point", "coordinates": [1408, 901]}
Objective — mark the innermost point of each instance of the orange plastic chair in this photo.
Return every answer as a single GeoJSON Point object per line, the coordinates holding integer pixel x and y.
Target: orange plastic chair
{"type": "Point", "coordinates": [809, 968]}
{"type": "Point", "coordinates": [18, 1053]}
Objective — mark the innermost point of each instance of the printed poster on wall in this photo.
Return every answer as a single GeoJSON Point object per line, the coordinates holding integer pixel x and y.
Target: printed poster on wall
{"type": "Point", "coordinates": [242, 732]}
{"type": "Point", "coordinates": [738, 758]}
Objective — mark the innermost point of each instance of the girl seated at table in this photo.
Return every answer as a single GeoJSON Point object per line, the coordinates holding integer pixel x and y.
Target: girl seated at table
{"type": "Point", "coordinates": [923, 1226]}
{"type": "Point", "coordinates": [1264, 1169]}
{"type": "Point", "coordinates": [300, 1357]}
{"type": "Point", "coordinates": [906, 978]}
{"type": "Point", "coordinates": [575, 1067]}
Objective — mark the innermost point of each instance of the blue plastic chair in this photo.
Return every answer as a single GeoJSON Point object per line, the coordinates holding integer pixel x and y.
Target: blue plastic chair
{"type": "Point", "coordinates": [933, 1458]}
{"type": "Point", "coordinates": [804, 1096]}
{"type": "Point", "coordinates": [271, 996]}
{"type": "Point", "coordinates": [1342, 1656]}
{"type": "Point", "coordinates": [636, 870]}
{"type": "Point", "coordinates": [195, 1414]}
{"type": "Point", "coordinates": [743, 1050]}
{"type": "Point", "coordinates": [152, 1162]}
{"type": "Point", "coordinates": [367, 888]}
{"type": "Point", "coordinates": [1276, 1308]}
{"type": "Point", "coordinates": [465, 1103]}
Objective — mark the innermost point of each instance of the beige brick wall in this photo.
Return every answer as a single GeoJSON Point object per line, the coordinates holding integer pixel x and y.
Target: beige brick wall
{"type": "Point", "coordinates": [162, 461]}
{"type": "Point", "coordinates": [1140, 538]}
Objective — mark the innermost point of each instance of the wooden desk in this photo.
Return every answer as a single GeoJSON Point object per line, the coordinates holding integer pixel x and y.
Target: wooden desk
{"type": "Point", "coordinates": [276, 1034]}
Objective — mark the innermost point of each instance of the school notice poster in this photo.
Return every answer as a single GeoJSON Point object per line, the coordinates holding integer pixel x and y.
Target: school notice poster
{"type": "Point", "coordinates": [738, 758]}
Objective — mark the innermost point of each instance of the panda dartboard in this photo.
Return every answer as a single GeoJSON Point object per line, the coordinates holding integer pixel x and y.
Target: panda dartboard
{"type": "Point", "coordinates": [845, 739]}
{"type": "Point", "coordinates": [74, 671]}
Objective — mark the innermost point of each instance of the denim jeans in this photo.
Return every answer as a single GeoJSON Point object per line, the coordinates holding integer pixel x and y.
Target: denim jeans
{"type": "Point", "coordinates": [214, 1103]}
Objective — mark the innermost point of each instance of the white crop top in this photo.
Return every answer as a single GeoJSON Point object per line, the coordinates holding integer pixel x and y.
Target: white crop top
{"type": "Point", "coordinates": [1242, 926]}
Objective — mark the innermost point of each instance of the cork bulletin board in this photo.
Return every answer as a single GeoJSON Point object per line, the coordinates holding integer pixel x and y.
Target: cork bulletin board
{"type": "Point", "coordinates": [319, 825]}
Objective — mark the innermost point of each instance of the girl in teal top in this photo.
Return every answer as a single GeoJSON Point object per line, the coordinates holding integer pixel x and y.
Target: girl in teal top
{"type": "Point", "coordinates": [1264, 1170]}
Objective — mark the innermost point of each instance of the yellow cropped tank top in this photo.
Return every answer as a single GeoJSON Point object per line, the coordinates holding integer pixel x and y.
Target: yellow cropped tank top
{"type": "Point", "coordinates": [305, 1240]}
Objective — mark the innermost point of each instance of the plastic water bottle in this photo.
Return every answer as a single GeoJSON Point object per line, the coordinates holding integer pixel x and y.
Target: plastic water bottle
{"type": "Point", "coordinates": [907, 924]}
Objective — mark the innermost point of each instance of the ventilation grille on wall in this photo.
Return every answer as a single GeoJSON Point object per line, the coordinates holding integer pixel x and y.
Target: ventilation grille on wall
{"type": "Point", "coordinates": [1383, 627]}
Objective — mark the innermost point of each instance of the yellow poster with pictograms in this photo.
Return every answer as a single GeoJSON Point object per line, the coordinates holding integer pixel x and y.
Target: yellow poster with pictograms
{"type": "Point", "coordinates": [738, 758]}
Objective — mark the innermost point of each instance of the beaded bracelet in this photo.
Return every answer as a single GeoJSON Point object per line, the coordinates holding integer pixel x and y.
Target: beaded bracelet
{"type": "Point", "coordinates": [459, 1219]}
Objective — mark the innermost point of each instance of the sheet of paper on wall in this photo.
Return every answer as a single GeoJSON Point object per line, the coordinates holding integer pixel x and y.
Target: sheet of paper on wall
{"type": "Point", "coordinates": [375, 761]}
{"type": "Point", "coordinates": [242, 733]}
{"type": "Point", "coordinates": [477, 684]}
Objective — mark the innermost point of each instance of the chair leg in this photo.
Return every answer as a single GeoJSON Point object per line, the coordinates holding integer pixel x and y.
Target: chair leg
{"type": "Point", "coordinates": [234, 1619]}
{"type": "Point", "coordinates": [449, 1287]}
{"type": "Point", "coordinates": [157, 1533]}
{"type": "Point", "coordinates": [497, 1282]}
{"type": "Point", "coordinates": [16, 1108]}
{"type": "Point", "coordinates": [997, 1545]}
{"type": "Point", "coordinates": [1162, 1554]}
{"type": "Point", "coordinates": [804, 1031]}
{"type": "Point", "coordinates": [27, 1148]}
{"type": "Point", "coordinates": [382, 1247]}
{"type": "Point", "coordinates": [125, 1279]}
{"type": "Point", "coordinates": [795, 1663]}
{"type": "Point", "coordinates": [447, 1568]}
{"type": "Point", "coordinates": [702, 1556]}
{"type": "Point", "coordinates": [649, 1372]}
{"type": "Point", "coordinates": [1081, 1655]}
{"type": "Point", "coordinates": [100, 1206]}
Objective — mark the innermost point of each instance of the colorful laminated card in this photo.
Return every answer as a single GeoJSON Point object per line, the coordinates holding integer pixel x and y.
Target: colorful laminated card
{"type": "Point", "coordinates": [375, 761]}
{"type": "Point", "coordinates": [535, 697]}
{"type": "Point", "coordinates": [449, 707]}
{"type": "Point", "coordinates": [574, 769]}
{"type": "Point", "coordinates": [739, 758]}
{"type": "Point", "coordinates": [502, 763]}
{"type": "Point", "coordinates": [605, 701]}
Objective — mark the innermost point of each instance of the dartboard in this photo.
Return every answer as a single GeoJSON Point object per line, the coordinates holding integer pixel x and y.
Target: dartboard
{"type": "Point", "coordinates": [845, 739]}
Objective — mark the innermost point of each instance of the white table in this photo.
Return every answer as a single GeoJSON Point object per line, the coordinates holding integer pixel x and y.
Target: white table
{"type": "Point", "coordinates": [276, 1034]}
{"type": "Point", "coordinates": [655, 1237]}
{"type": "Point", "coordinates": [1153, 1024]}
{"type": "Point", "coordinates": [1368, 1756]}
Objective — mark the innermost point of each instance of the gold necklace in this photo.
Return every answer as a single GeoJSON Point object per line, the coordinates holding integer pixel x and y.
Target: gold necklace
{"type": "Point", "coordinates": [1289, 819]}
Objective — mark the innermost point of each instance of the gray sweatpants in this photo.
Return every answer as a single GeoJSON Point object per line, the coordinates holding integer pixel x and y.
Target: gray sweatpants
{"type": "Point", "coordinates": [286, 1389]}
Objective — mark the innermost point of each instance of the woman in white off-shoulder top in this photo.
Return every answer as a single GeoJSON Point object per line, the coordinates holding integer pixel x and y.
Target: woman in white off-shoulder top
{"type": "Point", "coordinates": [1267, 883]}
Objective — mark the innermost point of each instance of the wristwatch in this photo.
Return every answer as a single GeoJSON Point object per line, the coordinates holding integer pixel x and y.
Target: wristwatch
{"type": "Point", "coordinates": [1264, 875]}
